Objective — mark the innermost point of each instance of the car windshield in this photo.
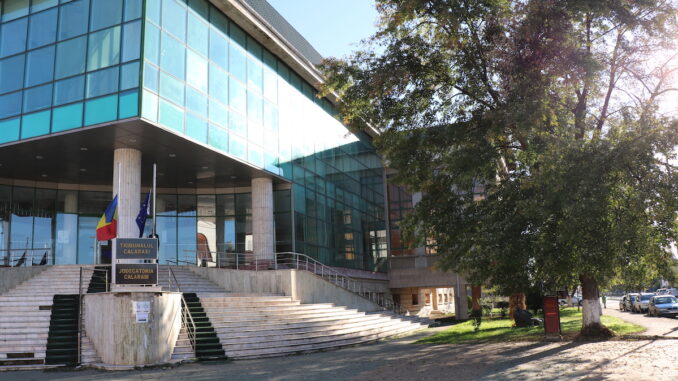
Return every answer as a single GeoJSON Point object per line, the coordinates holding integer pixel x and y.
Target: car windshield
{"type": "Point", "coordinates": [665, 300]}
{"type": "Point", "coordinates": [646, 297]}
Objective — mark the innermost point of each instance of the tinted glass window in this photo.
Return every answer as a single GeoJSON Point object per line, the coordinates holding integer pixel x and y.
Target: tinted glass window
{"type": "Point", "coordinates": [69, 90]}
{"type": "Point", "coordinates": [174, 18]}
{"type": "Point", "coordinates": [39, 5]}
{"type": "Point", "coordinates": [10, 104]}
{"type": "Point", "coordinates": [196, 70]}
{"type": "Point", "coordinates": [38, 98]}
{"type": "Point", "coordinates": [218, 48]}
{"type": "Point", "coordinates": [11, 73]}
{"type": "Point", "coordinates": [171, 89]}
{"type": "Point", "coordinates": [13, 37]}
{"type": "Point", "coordinates": [132, 9]}
{"type": "Point", "coordinates": [40, 66]}
{"type": "Point", "coordinates": [102, 82]}
{"type": "Point", "coordinates": [12, 9]}
{"type": "Point", "coordinates": [172, 56]}
{"type": "Point", "coordinates": [42, 29]}
{"type": "Point", "coordinates": [104, 48]}
{"type": "Point", "coordinates": [73, 19]}
{"type": "Point", "coordinates": [129, 76]}
{"type": "Point", "coordinates": [105, 13]}
{"type": "Point", "coordinates": [198, 34]}
{"type": "Point", "coordinates": [70, 57]}
{"type": "Point", "coordinates": [131, 41]}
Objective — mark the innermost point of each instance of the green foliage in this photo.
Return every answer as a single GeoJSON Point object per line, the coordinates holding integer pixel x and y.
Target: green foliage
{"type": "Point", "coordinates": [531, 128]}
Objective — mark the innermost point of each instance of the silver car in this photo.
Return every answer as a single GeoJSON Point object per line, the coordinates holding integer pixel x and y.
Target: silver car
{"type": "Point", "coordinates": [663, 305]}
{"type": "Point", "coordinates": [642, 302]}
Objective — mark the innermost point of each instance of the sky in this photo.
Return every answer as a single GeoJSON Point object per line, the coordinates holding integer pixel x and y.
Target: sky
{"type": "Point", "coordinates": [333, 27]}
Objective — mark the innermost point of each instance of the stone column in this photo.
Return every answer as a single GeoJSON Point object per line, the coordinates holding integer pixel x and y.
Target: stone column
{"type": "Point", "coordinates": [263, 235]}
{"type": "Point", "coordinates": [127, 160]}
{"type": "Point", "coordinates": [460, 300]}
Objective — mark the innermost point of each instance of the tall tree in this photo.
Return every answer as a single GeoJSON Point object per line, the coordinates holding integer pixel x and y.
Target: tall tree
{"type": "Point", "coordinates": [534, 130]}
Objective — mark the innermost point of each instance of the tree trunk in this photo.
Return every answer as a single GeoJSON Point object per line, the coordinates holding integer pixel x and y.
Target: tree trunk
{"type": "Point", "coordinates": [516, 301]}
{"type": "Point", "coordinates": [476, 292]}
{"type": "Point", "coordinates": [591, 309]}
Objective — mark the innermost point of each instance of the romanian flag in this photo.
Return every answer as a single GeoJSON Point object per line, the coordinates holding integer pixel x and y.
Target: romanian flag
{"type": "Point", "coordinates": [107, 227]}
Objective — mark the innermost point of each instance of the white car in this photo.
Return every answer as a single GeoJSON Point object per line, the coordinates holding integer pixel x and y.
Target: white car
{"type": "Point", "coordinates": [576, 300]}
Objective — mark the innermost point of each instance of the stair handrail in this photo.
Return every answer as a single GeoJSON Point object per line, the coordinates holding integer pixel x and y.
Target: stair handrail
{"type": "Point", "coordinates": [185, 313]}
{"type": "Point", "coordinates": [300, 261]}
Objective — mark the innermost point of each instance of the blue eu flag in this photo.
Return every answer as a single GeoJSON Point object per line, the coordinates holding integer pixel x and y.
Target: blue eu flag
{"type": "Point", "coordinates": [143, 214]}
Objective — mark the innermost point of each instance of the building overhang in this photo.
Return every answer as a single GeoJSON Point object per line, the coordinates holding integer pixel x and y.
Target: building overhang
{"type": "Point", "coordinates": [85, 156]}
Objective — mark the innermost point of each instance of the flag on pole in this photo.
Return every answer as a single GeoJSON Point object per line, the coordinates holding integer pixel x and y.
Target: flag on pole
{"type": "Point", "coordinates": [143, 214]}
{"type": "Point", "coordinates": [107, 228]}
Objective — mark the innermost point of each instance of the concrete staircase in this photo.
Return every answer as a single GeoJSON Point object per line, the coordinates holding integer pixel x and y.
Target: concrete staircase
{"type": "Point", "coordinates": [25, 313]}
{"type": "Point", "coordinates": [187, 279]}
{"type": "Point", "coordinates": [267, 326]}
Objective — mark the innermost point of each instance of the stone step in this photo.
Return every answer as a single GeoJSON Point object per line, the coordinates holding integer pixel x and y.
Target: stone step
{"type": "Point", "coordinates": [307, 348]}
{"type": "Point", "coordinates": [273, 328]}
{"type": "Point", "coordinates": [36, 354]}
{"type": "Point", "coordinates": [227, 316]}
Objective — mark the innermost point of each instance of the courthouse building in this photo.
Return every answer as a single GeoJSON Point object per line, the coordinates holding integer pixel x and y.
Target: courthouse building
{"type": "Point", "coordinates": [223, 96]}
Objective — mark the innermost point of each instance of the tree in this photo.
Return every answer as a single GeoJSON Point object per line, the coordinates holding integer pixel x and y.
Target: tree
{"type": "Point", "coordinates": [533, 129]}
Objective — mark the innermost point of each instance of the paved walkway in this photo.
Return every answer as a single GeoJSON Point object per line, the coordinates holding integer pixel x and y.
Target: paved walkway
{"type": "Point", "coordinates": [656, 326]}
{"type": "Point", "coordinates": [403, 360]}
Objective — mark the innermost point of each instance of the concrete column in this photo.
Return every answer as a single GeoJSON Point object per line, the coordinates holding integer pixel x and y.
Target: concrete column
{"type": "Point", "coordinates": [71, 202]}
{"type": "Point", "coordinates": [127, 160]}
{"type": "Point", "coordinates": [263, 234]}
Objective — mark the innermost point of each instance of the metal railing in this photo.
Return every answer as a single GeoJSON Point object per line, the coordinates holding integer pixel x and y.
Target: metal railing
{"type": "Point", "coordinates": [25, 257]}
{"type": "Point", "coordinates": [298, 261]}
{"type": "Point", "coordinates": [80, 299]}
{"type": "Point", "coordinates": [186, 317]}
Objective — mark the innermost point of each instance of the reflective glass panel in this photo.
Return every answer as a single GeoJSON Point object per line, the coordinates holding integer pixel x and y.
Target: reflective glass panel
{"type": "Point", "coordinates": [151, 77]}
{"type": "Point", "coordinates": [13, 37]}
{"type": "Point", "coordinates": [69, 90]}
{"type": "Point", "coordinates": [11, 73]}
{"type": "Point", "coordinates": [218, 138]}
{"type": "Point", "coordinates": [35, 124]}
{"type": "Point", "coordinates": [152, 44]}
{"type": "Point", "coordinates": [218, 114]}
{"type": "Point", "coordinates": [196, 101]}
{"type": "Point", "coordinates": [132, 9]}
{"type": "Point", "coordinates": [40, 66]}
{"type": "Point", "coordinates": [218, 84]}
{"type": "Point", "coordinates": [218, 48]}
{"type": "Point", "coordinates": [129, 104]}
{"type": "Point", "coordinates": [238, 96]}
{"type": "Point", "coordinates": [9, 130]}
{"type": "Point", "coordinates": [73, 19]}
{"type": "Point", "coordinates": [172, 56]}
{"type": "Point", "coordinates": [174, 18]}
{"type": "Point", "coordinates": [67, 117]}
{"type": "Point", "coordinates": [105, 13]}
{"type": "Point", "coordinates": [237, 62]}
{"type": "Point", "coordinates": [39, 5]}
{"type": "Point", "coordinates": [104, 48]}
{"type": "Point", "coordinates": [171, 116]}
{"type": "Point", "coordinates": [67, 238]}
{"type": "Point", "coordinates": [254, 75]}
{"type": "Point", "coordinates": [149, 106]}
{"type": "Point", "coordinates": [198, 34]}
{"type": "Point", "coordinates": [13, 9]}
{"type": "Point", "coordinates": [196, 127]}
{"type": "Point", "coordinates": [70, 57]}
{"type": "Point", "coordinates": [38, 98]}
{"type": "Point", "coordinates": [196, 70]}
{"type": "Point", "coordinates": [42, 29]}
{"type": "Point", "coordinates": [171, 88]}
{"type": "Point", "coordinates": [102, 82]}
{"type": "Point", "coordinates": [10, 104]}
{"type": "Point", "coordinates": [101, 110]}
{"type": "Point", "coordinates": [131, 42]}
{"type": "Point", "coordinates": [129, 76]}
{"type": "Point", "coordinates": [87, 239]}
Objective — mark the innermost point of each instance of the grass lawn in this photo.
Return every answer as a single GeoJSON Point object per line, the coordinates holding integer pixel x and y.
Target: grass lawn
{"type": "Point", "coordinates": [501, 330]}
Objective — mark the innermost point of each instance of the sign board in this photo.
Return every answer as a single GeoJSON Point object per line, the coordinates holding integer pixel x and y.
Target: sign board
{"type": "Point", "coordinates": [142, 310]}
{"type": "Point", "coordinates": [146, 273]}
{"type": "Point", "coordinates": [136, 248]}
{"type": "Point", "coordinates": [551, 315]}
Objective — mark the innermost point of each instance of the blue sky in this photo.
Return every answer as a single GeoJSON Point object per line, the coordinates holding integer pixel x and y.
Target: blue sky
{"type": "Point", "coordinates": [333, 27]}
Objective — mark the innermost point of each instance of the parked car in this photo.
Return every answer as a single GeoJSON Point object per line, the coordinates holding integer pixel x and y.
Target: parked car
{"type": "Point", "coordinates": [642, 302]}
{"type": "Point", "coordinates": [628, 303]}
{"type": "Point", "coordinates": [576, 300]}
{"type": "Point", "coordinates": [622, 303]}
{"type": "Point", "coordinates": [663, 291]}
{"type": "Point", "coordinates": [663, 305]}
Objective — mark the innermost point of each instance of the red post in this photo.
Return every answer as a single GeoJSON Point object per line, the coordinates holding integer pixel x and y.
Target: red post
{"type": "Point", "coordinates": [551, 316]}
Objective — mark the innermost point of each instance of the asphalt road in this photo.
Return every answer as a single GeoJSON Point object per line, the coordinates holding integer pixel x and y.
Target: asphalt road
{"type": "Point", "coordinates": [656, 326]}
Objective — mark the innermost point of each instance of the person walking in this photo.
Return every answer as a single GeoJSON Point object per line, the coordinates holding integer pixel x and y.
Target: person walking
{"type": "Point", "coordinates": [604, 301]}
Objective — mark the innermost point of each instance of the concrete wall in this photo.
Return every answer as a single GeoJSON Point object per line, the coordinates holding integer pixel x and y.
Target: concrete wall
{"type": "Point", "coordinates": [11, 277]}
{"type": "Point", "coordinates": [300, 285]}
{"type": "Point", "coordinates": [110, 323]}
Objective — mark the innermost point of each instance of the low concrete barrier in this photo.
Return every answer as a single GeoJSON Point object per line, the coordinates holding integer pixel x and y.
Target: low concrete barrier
{"type": "Point", "coordinates": [110, 323]}
{"type": "Point", "coordinates": [11, 277]}
{"type": "Point", "coordinates": [300, 285]}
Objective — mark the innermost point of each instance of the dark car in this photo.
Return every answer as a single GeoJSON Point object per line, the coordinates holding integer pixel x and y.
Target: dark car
{"type": "Point", "coordinates": [663, 305]}
{"type": "Point", "coordinates": [628, 303]}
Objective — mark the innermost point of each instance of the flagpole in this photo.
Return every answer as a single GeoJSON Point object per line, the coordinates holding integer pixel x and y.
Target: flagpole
{"type": "Point", "coordinates": [154, 194]}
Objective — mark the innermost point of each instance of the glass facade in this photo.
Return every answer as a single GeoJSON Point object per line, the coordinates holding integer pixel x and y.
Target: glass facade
{"type": "Point", "coordinates": [184, 66]}
{"type": "Point", "coordinates": [205, 78]}
{"type": "Point", "coordinates": [67, 64]}
{"type": "Point", "coordinates": [62, 223]}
